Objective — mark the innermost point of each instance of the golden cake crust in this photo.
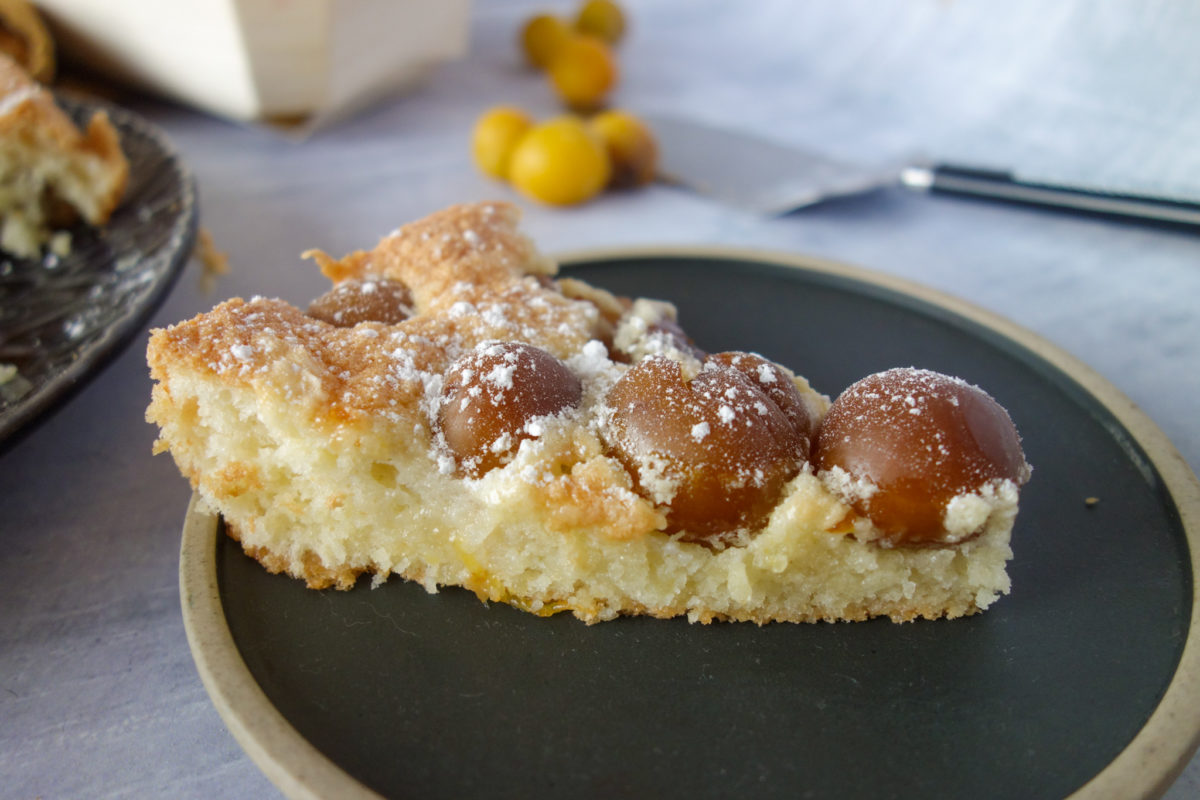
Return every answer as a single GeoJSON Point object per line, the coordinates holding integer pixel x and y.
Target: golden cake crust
{"type": "Point", "coordinates": [473, 277]}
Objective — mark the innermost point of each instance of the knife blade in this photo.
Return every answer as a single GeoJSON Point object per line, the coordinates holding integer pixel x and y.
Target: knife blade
{"type": "Point", "coordinates": [764, 176]}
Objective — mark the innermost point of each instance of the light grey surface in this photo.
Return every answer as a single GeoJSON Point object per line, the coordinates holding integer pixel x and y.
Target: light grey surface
{"type": "Point", "coordinates": [98, 695]}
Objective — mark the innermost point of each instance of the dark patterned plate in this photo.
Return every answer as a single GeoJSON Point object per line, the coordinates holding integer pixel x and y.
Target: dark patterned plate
{"type": "Point", "coordinates": [63, 319]}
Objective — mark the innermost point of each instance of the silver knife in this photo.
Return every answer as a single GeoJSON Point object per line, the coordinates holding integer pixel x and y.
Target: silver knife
{"type": "Point", "coordinates": [768, 177]}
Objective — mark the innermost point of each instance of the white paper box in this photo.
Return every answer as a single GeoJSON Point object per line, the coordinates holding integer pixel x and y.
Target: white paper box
{"type": "Point", "coordinates": [263, 59]}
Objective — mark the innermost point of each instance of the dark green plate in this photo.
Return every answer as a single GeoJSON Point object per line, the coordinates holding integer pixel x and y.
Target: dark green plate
{"type": "Point", "coordinates": [1083, 680]}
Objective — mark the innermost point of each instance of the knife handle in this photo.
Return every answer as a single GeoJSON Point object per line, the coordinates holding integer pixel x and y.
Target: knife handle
{"type": "Point", "coordinates": [1005, 186]}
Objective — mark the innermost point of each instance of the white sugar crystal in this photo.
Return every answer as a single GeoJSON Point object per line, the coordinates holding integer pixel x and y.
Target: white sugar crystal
{"type": "Point", "coordinates": [595, 352]}
{"type": "Point", "coordinates": [842, 483]}
{"type": "Point", "coordinates": [501, 376]}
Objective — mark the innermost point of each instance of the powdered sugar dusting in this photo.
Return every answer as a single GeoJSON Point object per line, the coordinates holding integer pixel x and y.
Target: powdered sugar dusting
{"type": "Point", "coordinates": [970, 512]}
{"type": "Point", "coordinates": [846, 486]}
{"type": "Point", "coordinates": [501, 375]}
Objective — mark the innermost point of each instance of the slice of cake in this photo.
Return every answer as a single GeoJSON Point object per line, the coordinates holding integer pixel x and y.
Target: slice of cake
{"type": "Point", "coordinates": [450, 413]}
{"type": "Point", "coordinates": [51, 174]}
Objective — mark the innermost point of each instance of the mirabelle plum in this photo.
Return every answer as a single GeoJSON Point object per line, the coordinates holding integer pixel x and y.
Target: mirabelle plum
{"type": "Point", "coordinates": [918, 439]}
{"type": "Point", "coordinates": [369, 299]}
{"type": "Point", "coordinates": [492, 393]}
{"type": "Point", "coordinates": [495, 137]}
{"type": "Point", "coordinates": [541, 36]}
{"type": "Point", "coordinates": [583, 71]}
{"type": "Point", "coordinates": [631, 146]}
{"type": "Point", "coordinates": [773, 381]}
{"type": "Point", "coordinates": [714, 451]}
{"type": "Point", "coordinates": [559, 162]}
{"type": "Point", "coordinates": [603, 19]}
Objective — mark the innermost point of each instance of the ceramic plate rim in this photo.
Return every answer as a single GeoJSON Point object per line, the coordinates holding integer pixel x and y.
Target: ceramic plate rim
{"type": "Point", "coordinates": [1145, 768]}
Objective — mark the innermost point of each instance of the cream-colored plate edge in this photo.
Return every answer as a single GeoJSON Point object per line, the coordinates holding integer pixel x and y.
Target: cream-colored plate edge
{"type": "Point", "coordinates": [1146, 768]}
{"type": "Point", "coordinates": [285, 757]}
